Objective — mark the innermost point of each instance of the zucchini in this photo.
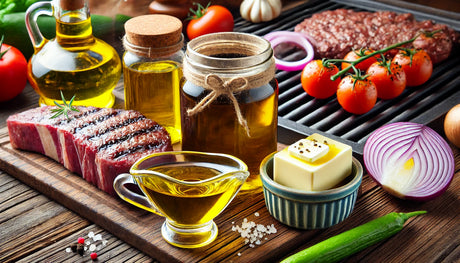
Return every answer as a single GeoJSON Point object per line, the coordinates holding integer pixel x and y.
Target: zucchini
{"type": "Point", "coordinates": [354, 240]}
{"type": "Point", "coordinates": [13, 27]}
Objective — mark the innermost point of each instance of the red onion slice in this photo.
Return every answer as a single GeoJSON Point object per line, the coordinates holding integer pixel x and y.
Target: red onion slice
{"type": "Point", "coordinates": [279, 37]}
{"type": "Point", "coordinates": [409, 160]}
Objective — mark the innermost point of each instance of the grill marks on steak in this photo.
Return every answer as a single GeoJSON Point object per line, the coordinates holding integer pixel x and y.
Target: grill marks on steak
{"type": "Point", "coordinates": [334, 33]}
{"type": "Point", "coordinates": [97, 143]}
{"type": "Point", "coordinates": [143, 127]}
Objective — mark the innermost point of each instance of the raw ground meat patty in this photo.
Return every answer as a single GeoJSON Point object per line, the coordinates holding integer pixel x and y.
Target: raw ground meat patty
{"type": "Point", "coordinates": [334, 33]}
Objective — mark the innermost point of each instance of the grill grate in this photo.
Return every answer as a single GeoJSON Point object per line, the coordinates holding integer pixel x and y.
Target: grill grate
{"type": "Point", "coordinates": [300, 115]}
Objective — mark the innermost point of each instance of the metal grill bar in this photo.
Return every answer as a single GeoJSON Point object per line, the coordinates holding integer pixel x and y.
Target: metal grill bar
{"type": "Point", "coordinates": [300, 115]}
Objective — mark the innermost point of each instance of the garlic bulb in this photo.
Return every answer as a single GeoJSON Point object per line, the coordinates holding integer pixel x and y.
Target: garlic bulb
{"type": "Point", "coordinates": [260, 10]}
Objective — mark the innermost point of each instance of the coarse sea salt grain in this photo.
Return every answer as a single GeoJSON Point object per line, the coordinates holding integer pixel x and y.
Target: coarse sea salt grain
{"type": "Point", "coordinates": [97, 237]}
{"type": "Point", "coordinates": [92, 247]}
{"type": "Point", "coordinates": [253, 233]}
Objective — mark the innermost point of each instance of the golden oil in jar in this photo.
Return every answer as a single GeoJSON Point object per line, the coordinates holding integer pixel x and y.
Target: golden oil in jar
{"type": "Point", "coordinates": [242, 63]}
{"type": "Point", "coordinates": [74, 62]}
{"type": "Point", "coordinates": [152, 69]}
{"type": "Point", "coordinates": [219, 131]}
{"type": "Point", "coordinates": [153, 89]}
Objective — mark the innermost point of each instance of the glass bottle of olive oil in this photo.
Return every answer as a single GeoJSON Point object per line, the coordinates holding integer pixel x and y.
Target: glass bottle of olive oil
{"type": "Point", "coordinates": [152, 69]}
{"type": "Point", "coordinates": [74, 62]}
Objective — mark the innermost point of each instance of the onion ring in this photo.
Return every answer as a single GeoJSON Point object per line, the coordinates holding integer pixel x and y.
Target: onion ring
{"type": "Point", "coordinates": [278, 37]}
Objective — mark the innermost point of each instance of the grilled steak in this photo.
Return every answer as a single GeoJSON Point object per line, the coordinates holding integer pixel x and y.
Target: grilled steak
{"type": "Point", "coordinates": [334, 33]}
{"type": "Point", "coordinates": [97, 143]}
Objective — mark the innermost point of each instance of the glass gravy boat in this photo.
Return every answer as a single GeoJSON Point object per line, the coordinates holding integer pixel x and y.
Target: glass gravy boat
{"type": "Point", "coordinates": [188, 188]}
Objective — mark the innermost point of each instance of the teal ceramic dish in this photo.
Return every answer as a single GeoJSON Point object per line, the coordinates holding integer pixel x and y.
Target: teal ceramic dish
{"type": "Point", "coordinates": [310, 209]}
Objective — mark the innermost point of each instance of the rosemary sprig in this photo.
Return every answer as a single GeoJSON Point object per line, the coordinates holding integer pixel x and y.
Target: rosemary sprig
{"type": "Point", "coordinates": [63, 109]}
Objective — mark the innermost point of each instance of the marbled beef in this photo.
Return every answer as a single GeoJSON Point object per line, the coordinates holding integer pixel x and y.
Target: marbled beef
{"type": "Point", "coordinates": [97, 143]}
{"type": "Point", "coordinates": [334, 33]}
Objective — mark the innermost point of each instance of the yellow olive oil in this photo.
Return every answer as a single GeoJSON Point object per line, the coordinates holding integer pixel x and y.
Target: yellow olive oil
{"type": "Point", "coordinates": [75, 63]}
{"type": "Point", "coordinates": [216, 128]}
{"type": "Point", "coordinates": [152, 87]}
{"type": "Point", "coordinates": [190, 205]}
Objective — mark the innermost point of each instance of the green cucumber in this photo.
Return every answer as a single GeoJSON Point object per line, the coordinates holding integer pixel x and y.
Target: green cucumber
{"type": "Point", "coordinates": [13, 6]}
{"type": "Point", "coordinates": [354, 240]}
{"type": "Point", "coordinates": [13, 26]}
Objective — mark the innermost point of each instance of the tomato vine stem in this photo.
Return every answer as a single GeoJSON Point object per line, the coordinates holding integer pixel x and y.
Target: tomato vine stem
{"type": "Point", "coordinates": [353, 63]}
{"type": "Point", "coordinates": [1, 44]}
{"type": "Point", "coordinates": [200, 12]}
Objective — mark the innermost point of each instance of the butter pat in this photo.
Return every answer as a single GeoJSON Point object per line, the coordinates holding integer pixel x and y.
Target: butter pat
{"type": "Point", "coordinates": [313, 164]}
{"type": "Point", "coordinates": [308, 150]}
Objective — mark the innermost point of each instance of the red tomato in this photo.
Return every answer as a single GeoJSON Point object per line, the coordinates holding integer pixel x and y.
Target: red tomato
{"type": "Point", "coordinates": [388, 78]}
{"type": "Point", "coordinates": [316, 79]}
{"type": "Point", "coordinates": [417, 65]}
{"type": "Point", "coordinates": [356, 54]}
{"type": "Point", "coordinates": [210, 19]}
{"type": "Point", "coordinates": [355, 95]}
{"type": "Point", "coordinates": [13, 72]}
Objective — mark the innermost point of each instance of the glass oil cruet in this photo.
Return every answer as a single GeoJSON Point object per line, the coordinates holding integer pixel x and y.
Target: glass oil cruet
{"type": "Point", "coordinates": [74, 62]}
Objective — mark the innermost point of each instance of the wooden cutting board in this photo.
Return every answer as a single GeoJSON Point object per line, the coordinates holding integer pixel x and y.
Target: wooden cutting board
{"type": "Point", "coordinates": [140, 228]}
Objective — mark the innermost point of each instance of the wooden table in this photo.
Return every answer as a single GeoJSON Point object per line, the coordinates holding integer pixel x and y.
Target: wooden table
{"type": "Point", "coordinates": [38, 227]}
{"type": "Point", "coordinates": [35, 227]}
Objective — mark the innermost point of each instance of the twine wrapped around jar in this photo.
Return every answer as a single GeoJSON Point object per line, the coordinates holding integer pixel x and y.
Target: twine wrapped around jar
{"type": "Point", "coordinates": [226, 64]}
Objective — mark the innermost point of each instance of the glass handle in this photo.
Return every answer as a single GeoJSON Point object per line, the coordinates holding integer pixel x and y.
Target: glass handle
{"type": "Point", "coordinates": [131, 197]}
{"type": "Point", "coordinates": [32, 14]}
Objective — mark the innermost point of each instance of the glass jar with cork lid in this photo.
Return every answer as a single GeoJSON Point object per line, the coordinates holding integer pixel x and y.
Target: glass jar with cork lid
{"type": "Point", "coordinates": [152, 69]}
{"type": "Point", "coordinates": [229, 102]}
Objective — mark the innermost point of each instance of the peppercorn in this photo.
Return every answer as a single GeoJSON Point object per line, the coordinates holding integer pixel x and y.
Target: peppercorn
{"type": "Point", "coordinates": [80, 249]}
{"type": "Point", "coordinates": [73, 247]}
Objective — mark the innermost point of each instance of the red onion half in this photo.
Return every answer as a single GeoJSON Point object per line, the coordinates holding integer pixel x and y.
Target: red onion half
{"type": "Point", "coordinates": [409, 160]}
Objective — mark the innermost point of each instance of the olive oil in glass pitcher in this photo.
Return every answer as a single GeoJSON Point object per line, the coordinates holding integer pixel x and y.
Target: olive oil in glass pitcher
{"type": "Point", "coordinates": [74, 62]}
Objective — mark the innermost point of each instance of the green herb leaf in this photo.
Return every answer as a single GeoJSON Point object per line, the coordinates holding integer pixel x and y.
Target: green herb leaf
{"type": "Point", "coordinates": [63, 109]}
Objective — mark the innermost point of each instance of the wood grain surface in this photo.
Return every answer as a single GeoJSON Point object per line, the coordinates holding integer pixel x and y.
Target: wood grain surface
{"type": "Point", "coordinates": [141, 229]}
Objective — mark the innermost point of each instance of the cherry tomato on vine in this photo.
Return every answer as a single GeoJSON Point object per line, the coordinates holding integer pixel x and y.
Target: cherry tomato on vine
{"type": "Point", "coordinates": [388, 78]}
{"type": "Point", "coordinates": [356, 95]}
{"type": "Point", "coordinates": [316, 79]}
{"type": "Point", "coordinates": [356, 54]}
{"type": "Point", "coordinates": [209, 19]}
{"type": "Point", "coordinates": [13, 72]}
{"type": "Point", "coordinates": [417, 65]}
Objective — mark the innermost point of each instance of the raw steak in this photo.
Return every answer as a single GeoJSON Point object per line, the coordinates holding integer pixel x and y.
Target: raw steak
{"type": "Point", "coordinates": [97, 143]}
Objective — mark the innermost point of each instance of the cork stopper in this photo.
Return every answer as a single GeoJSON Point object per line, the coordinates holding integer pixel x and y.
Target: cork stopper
{"type": "Point", "coordinates": [72, 4]}
{"type": "Point", "coordinates": [154, 31]}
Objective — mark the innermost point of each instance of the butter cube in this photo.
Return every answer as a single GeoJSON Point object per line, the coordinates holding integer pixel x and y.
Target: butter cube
{"type": "Point", "coordinates": [308, 150]}
{"type": "Point", "coordinates": [313, 164]}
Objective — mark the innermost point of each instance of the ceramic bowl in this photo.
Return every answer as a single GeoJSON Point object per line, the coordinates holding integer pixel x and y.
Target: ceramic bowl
{"type": "Point", "coordinates": [310, 209]}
